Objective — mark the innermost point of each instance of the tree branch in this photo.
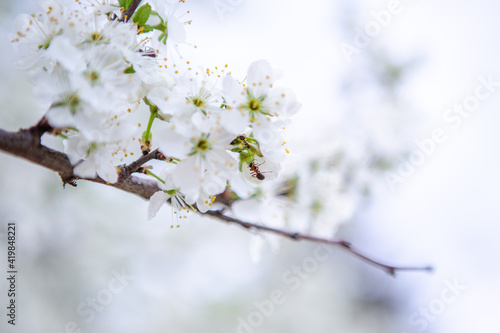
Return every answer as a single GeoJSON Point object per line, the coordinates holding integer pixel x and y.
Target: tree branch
{"type": "Point", "coordinates": [391, 270]}
{"type": "Point", "coordinates": [26, 144]}
{"type": "Point", "coordinates": [127, 14]}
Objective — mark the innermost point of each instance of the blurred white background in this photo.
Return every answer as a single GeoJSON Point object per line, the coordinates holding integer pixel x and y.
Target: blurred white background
{"type": "Point", "coordinates": [72, 242]}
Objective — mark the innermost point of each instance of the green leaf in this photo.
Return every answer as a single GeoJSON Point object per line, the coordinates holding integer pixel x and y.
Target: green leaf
{"type": "Point", "coordinates": [129, 70]}
{"type": "Point", "coordinates": [237, 150]}
{"type": "Point", "coordinates": [246, 158]}
{"type": "Point", "coordinates": [124, 3]}
{"type": "Point", "coordinates": [141, 15]}
{"type": "Point", "coordinates": [251, 140]}
{"type": "Point", "coordinates": [147, 28]}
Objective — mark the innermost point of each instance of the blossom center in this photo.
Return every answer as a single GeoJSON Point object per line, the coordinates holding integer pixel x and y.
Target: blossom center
{"type": "Point", "coordinates": [96, 38]}
{"type": "Point", "coordinates": [45, 45]}
{"type": "Point", "coordinates": [201, 146]}
{"type": "Point", "coordinates": [71, 101]}
{"type": "Point", "coordinates": [93, 77]}
{"type": "Point", "coordinates": [92, 148]}
{"type": "Point", "coordinates": [198, 102]}
{"type": "Point", "coordinates": [316, 207]}
{"type": "Point", "coordinates": [254, 105]}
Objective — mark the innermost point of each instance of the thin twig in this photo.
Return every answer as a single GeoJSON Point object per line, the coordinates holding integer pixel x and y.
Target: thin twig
{"type": "Point", "coordinates": [143, 159]}
{"type": "Point", "coordinates": [391, 270]}
{"type": "Point", "coordinates": [127, 170]}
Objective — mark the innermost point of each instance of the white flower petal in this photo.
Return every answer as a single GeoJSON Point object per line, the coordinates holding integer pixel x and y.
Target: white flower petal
{"type": "Point", "coordinates": [159, 96]}
{"type": "Point", "coordinates": [234, 121]}
{"type": "Point", "coordinates": [157, 200]}
{"type": "Point", "coordinates": [170, 142]}
{"type": "Point", "coordinates": [62, 50]}
{"type": "Point", "coordinates": [176, 31]}
{"type": "Point", "coordinates": [107, 171]}
{"type": "Point", "coordinates": [85, 169]}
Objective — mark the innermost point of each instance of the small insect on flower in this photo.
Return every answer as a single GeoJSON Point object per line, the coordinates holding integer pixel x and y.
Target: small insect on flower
{"type": "Point", "coordinates": [255, 172]}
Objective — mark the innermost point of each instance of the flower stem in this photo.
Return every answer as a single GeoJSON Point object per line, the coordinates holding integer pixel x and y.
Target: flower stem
{"type": "Point", "coordinates": [146, 136]}
{"type": "Point", "coordinates": [152, 174]}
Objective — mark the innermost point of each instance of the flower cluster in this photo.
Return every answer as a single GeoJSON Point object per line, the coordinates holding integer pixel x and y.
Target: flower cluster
{"type": "Point", "coordinates": [102, 74]}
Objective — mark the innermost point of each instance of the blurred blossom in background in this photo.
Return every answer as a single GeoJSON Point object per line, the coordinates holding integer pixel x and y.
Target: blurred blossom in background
{"type": "Point", "coordinates": [377, 80]}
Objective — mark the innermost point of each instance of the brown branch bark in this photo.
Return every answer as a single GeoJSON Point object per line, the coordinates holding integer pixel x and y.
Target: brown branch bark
{"type": "Point", "coordinates": [127, 14]}
{"type": "Point", "coordinates": [391, 270]}
{"type": "Point", "coordinates": [26, 144]}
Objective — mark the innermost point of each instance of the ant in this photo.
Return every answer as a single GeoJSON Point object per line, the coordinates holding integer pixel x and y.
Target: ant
{"type": "Point", "coordinates": [255, 172]}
